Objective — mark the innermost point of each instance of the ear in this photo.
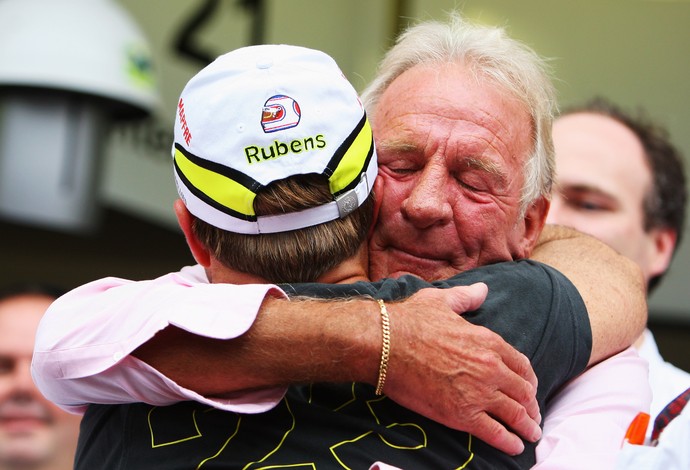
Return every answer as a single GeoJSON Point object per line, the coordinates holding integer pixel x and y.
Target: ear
{"type": "Point", "coordinates": [185, 220]}
{"type": "Point", "coordinates": [662, 244]}
{"type": "Point", "coordinates": [534, 221]}
{"type": "Point", "coordinates": [378, 193]}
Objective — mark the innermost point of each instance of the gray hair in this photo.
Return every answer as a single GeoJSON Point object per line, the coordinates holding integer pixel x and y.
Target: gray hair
{"type": "Point", "coordinates": [489, 54]}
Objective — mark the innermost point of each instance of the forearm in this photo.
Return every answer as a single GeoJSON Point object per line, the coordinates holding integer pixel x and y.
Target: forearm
{"type": "Point", "coordinates": [286, 342]}
{"type": "Point", "coordinates": [440, 366]}
{"type": "Point", "coordinates": [611, 286]}
{"type": "Point", "coordinates": [290, 342]}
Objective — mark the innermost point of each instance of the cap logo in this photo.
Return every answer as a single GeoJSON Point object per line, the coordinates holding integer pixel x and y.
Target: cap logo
{"type": "Point", "coordinates": [186, 134]}
{"type": "Point", "coordinates": [280, 112]}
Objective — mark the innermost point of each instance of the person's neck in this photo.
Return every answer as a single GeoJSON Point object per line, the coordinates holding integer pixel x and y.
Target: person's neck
{"type": "Point", "coordinates": [351, 270]}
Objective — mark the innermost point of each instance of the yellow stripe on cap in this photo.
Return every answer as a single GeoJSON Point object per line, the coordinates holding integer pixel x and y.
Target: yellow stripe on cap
{"type": "Point", "coordinates": [351, 165]}
{"type": "Point", "coordinates": [221, 189]}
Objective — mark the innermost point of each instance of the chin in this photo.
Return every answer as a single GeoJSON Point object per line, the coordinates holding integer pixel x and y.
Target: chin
{"type": "Point", "coordinates": [26, 453]}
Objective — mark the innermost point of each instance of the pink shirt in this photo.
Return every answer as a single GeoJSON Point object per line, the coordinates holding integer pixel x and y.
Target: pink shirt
{"type": "Point", "coordinates": [586, 422]}
{"type": "Point", "coordinates": [84, 341]}
{"type": "Point", "coordinates": [83, 346]}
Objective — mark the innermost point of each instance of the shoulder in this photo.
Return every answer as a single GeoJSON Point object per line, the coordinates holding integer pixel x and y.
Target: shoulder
{"type": "Point", "coordinates": [526, 270]}
{"type": "Point", "coordinates": [528, 280]}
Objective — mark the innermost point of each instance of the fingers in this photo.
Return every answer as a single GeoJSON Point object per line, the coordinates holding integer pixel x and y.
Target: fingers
{"type": "Point", "coordinates": [502, 423]}
{"type": "Point", "coordinates": [460, 299]}
{"type": "Point", "coordinates": [509, 396]}
{"type": "Point", "coordinates": [508, 370]}
{"type": "Point", "coordinates": [521, 388]}
{"type": "Point", "coordinates": [495, 434]}
{"type": "Point", "coordinates": [467, 298]}
{"type": "Point", "coordinates": [478, 382]}
{"type": "Point", "coordinates": [513, 374]}
{"type": "Point", "coordinates": [526, 396]}
{"type": "Point", "coordinates": [516, 418]}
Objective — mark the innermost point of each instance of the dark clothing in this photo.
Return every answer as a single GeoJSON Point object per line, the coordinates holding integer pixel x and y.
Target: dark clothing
{"type": "Point", "coordinates": [326, 426]}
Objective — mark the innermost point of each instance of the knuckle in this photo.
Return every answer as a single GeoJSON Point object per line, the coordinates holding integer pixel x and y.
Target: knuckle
{"type": "Point", "coordinates": [517, 415]}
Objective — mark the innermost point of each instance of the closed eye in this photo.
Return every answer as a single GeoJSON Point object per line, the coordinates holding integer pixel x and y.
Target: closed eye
{"type": "Point", "coordinates": [467, 185]}
{"type": "Point", "coordinates": [480, 175]}
{"type": "Point", "coordinates": [587, 199]}
{"type": "Point", "coordinates": [402, 171]}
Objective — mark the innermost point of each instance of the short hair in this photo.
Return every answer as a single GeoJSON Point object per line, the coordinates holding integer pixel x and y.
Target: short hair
{"type": "Point", "coordinates": [490, 54]}
{"type": "Point", "coordinates": [664, 206]}
{"type": "Point", "coordinates": [295, 256]}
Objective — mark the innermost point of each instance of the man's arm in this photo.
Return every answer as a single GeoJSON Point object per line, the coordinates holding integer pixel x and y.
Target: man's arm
{"type": "Point", "coordinates": [84, 342]}
{"type": "Point", "coordinates": [441, 366]}
{"type": "Point", "coordinates": [470, 373]}
{"type": "Point", "coordinates": [610, 284]}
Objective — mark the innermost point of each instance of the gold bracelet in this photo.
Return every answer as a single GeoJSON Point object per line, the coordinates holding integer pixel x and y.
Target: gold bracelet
{"type": "Point", "coordinates": [385, 348]}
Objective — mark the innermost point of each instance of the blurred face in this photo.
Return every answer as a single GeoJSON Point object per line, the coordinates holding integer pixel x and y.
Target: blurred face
{"type": "Point", "coordinates": [602, 179]}
{"type": "Point", "coordinates": [451, 154]}
{"type": "Point", "coordinates": [34, 433]}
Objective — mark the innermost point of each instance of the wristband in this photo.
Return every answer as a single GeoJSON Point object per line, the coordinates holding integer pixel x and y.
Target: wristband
{"type": "Point", "coordinates": [385, 348]}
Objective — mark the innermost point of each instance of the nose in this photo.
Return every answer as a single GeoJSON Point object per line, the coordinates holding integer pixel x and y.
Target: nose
{"type": "Point", "coordinates": [428, 204]}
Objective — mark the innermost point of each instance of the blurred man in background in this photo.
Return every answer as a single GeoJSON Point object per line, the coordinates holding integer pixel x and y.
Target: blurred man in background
{"type": "Point", "coordinates": [620, 179]}
{"type": "Point", "coordinates": [34, 433]}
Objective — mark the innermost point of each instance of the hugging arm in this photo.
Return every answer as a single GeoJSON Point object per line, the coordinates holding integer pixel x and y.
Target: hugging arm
{"type": "Point", "coordinates": [116, 341]}
{"type": "Point", "coordinates": [610, 284]}
{"type": "Point", "coordinates": [179, 338]}
{"type": "Point", "coordinates": [440, 366]}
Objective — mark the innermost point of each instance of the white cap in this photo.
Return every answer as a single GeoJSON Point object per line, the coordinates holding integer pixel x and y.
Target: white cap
{"type": "Point", "coordinates": [264, 113]}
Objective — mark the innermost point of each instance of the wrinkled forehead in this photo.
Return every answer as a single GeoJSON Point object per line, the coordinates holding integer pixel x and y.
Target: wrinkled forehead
{"type": "Point", "coordinates": [447, 106]}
